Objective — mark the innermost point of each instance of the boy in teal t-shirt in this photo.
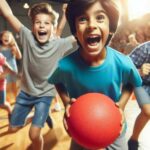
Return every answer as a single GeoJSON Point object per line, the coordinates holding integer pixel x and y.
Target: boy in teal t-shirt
{"type": "Point", "coordinates": [95, 67]}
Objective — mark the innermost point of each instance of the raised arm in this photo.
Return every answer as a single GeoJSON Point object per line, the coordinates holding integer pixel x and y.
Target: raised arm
{"type": "Point", "coordinates": [62, 22]}
{"type": "Point", "coordinates": [9, 16]}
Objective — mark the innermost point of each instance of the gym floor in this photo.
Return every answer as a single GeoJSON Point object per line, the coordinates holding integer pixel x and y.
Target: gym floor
{"type": "Point", "coordinates": [57, 138]}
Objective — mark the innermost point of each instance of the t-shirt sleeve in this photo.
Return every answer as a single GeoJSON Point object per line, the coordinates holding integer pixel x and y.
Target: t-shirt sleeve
{"type": "Point", "coordinates": [55, 77]}
{"type": "Point", "coordinates": [66, 45]}
{"type": "Point", "coordinates": [138, 56]}
{"type": "Point", "coordinates": [24, 35]}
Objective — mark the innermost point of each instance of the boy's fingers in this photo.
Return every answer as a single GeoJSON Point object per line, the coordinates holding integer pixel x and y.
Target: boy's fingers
{"type": "Point", "coordinates": [122, 117]}
{"type": "Point", "coordinates": [122, 129]}
{"type": "Point", "coordinates": [73, 100]}
{"type": "Point", "coordinates": [117, 104]}
{"type": "Point", "coordinates": [65, 124]}
{"type": "Point", "coordinates": [67, 111]}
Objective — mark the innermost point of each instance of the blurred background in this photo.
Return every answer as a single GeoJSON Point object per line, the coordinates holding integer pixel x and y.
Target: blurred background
{"type": "Point", "coordinates": [133, 29]}
{"type": "Point", "coordinates": [134, 19]}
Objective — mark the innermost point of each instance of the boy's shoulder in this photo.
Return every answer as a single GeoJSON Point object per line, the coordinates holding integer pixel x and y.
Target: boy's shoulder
{"type": "Point", "coordinates": [147, 43]}
{"type": "Point", "coordinates": [71, 55]}
{"type": "Point", "coordinates": [116, 52]}
{"type": "Point", "coordinates": [141, 48]}
{"type": "Point", "coordinates": [69, 59]}
{"type": "Point", "coordinates": [118, 56]}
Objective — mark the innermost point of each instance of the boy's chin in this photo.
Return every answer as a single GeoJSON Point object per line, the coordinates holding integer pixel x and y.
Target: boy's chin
{"type": "Point", "coordinates": [42, 42]}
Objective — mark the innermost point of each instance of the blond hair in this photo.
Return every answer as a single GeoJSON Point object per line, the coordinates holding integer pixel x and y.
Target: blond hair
{"type": "Point", "coordinates": [44, 8]}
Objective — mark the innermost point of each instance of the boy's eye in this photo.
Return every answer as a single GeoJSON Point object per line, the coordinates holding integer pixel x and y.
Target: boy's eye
{"type": "Point", "coordinates": [47, 22]}
{"type": "Point", "coordinates": [100, 18]}
{"type": "Point", "coordinates": [37, 22]}
{"type": "Point", "coordinates": [82, 19]}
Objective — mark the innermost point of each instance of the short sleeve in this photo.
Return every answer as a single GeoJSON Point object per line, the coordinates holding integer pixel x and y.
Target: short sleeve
{"type": "Point", "coordinates": [132, 75]}
{"type": "Point", "coordinates": [139, 55]}
{"type": "Point", "coordinates": [55, 77]}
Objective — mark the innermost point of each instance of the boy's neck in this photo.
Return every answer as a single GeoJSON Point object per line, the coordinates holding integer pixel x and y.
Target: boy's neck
{"type": "Point", "coordinates": [95, 60]}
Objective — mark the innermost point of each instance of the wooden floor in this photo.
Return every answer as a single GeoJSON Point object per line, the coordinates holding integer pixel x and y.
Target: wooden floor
{"type": "Point", "coordinates": [57, 138]}
{"type": "Point", "coordinates": [54, 139]}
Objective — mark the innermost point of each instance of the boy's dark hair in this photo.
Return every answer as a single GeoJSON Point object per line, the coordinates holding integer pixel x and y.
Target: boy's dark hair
{"type": "Point", "coordinates": [44, 8]}
{"type": "Point", "coordinates": [77, 7]}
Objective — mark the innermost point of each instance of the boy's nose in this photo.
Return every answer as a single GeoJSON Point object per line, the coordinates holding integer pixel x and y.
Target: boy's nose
{"type": "Point", "coordinates": [42, 25]}
{"type": "Point", "coordinates": [91, 25]}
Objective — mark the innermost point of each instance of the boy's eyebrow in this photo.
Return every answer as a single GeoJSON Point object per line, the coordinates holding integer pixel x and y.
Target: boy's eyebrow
{"type": "Point", "coordinates": [96, 12]}
{"type": "Point", "coordinates": [100, 11]}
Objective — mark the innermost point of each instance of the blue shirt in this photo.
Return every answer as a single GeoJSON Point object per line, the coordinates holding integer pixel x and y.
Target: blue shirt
{"type": "Point", "coordinates": [107, 78]}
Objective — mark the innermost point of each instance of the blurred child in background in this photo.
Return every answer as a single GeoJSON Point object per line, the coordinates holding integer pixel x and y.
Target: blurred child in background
{"type": "Point", "coordinates": [5, 69]}
{"type": "Point", "coordinates": [11, 51]}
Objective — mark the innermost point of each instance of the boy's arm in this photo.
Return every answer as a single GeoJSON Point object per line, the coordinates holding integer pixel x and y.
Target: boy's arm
{"type": "Point", "coordinates": [9, 16]}
{"type": "Point", "coordinates": [72, 39]}
{"type": "Point", "coordinates": [126, 93]}
{"type": "Point", "coordinates": [62, 22]}
{"type": "Point", "coordinates": [63, 94]}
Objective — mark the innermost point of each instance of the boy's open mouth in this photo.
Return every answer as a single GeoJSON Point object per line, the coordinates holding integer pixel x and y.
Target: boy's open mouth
{"type": "Point", "coordinates": [92, 40]}
{"type": "Point", "coordinates": [43, 33]}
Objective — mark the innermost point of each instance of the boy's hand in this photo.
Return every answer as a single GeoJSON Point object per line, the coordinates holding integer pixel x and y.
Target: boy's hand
{"type": "Point", "coordinates": [145, 69]}
{"type": "Point", "coordinates": [64, 7]}
{"type": "Point", "coordinates": [123, 118]}
{"type": "Point", "coordinates": [67, 114]}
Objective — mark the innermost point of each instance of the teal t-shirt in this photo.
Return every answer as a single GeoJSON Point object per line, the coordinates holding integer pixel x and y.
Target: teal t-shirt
{"type": "Point", "coordinates": [108, 78]}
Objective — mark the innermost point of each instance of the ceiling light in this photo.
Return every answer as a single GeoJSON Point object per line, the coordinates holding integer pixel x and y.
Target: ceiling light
{"type": "Point", "coordinates": [26, 5]}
